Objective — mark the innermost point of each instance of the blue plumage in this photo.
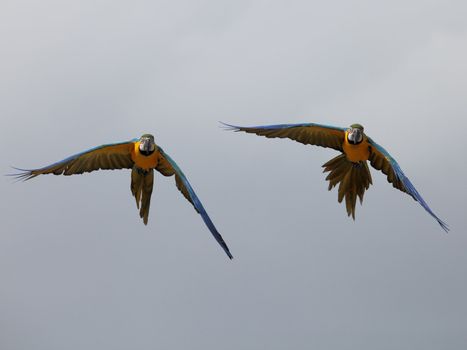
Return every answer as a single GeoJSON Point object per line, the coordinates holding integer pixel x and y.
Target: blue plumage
{"type": "Point", "coordinates": [280, 126]}
{"type": "Point", "coordinates": [197, 203]}
{"type": "Point", "coordinates": [27, 174]}
{"type": "Point", "coordinates": [409, 187]}
{"type": "Point", "coordinates": [340, 171]}
{"type": "Point", "coordinates": [141, 155]}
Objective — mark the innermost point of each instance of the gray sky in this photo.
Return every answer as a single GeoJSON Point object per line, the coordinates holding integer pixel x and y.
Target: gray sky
{"type": "Point", "coordinates": [78, 268]}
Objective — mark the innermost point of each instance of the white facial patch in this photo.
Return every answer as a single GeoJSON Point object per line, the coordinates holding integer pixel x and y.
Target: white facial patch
{"type": "Point", "coordinates": [355, 136]}
{"type": "Point", "coordinates": [147, 145]}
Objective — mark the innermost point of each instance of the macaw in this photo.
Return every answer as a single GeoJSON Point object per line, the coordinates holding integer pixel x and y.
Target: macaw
{"type": "Point", "coordinates": [350, 169]}
{"type": "Point", "coordinates": [142, 156]}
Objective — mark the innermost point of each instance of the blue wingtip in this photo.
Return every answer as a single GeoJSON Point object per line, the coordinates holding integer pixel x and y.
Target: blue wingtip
{"type": "Point", "coordinates": [229, 127]}
{"type": "Point", "coordinates": [443, 225]}
{"type": "Point", "coordinates": [21, 175]}
{"type": "Point", "coordinates": [409, 187]}
{"type": "Point", "coordinates": [197, 204]}
{"type": "Point", "coordinates": [416, 195]}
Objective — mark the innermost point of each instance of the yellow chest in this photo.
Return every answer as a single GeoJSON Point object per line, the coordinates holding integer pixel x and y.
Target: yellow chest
{"type": "Point", "coordinates": [142, 161]}
{"type": "Point", "coordinates": [356, 153]}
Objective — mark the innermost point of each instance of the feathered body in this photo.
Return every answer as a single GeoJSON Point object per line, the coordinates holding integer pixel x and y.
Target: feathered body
{"type": "Point", "coordinates": [349, 169]}
{"type": "Point", "coordinates": [142, 156]}
{"type": "Point", "coordinates": [356, 153]}
{"type": "Point", "coordinates": [144, 161]}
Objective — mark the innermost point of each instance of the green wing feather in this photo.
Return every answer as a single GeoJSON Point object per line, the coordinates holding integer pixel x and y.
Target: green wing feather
{"type": "Point", "coordinates": [106, 157]}
{"type": "Point", "coordinates": [306, 133]}
{"type": "Point", "coordinates": [380, 159]}
{"type": "Point", "coordinates": [168, 167]}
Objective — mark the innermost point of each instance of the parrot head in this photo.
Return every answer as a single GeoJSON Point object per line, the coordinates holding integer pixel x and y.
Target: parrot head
{"type": "Point", "coordinates": [355, 134]}
{"type": "Point", "coordinates": [147, 144]}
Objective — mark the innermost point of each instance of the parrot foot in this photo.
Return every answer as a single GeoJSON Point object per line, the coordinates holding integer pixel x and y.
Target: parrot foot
{"type": "Point", "coordinates": [357, 165]}
{"type": "Point", "coordinates": [142, 171]}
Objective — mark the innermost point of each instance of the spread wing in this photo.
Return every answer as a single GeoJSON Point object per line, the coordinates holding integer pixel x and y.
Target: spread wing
{"type": "Point", "coordinates": [307, 133]}
{"type": "Point", "coordinates": [380, 159]}
{"type": "Point", "coordinates": [111, 156]}
{"type": "Point", "coordinates": [168, 167]}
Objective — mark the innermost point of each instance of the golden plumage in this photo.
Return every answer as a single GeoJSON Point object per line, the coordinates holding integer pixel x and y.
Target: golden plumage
{"type": "Point", "coordinates": [350, 169]}
{"type": "Point", "coordinates": [142, 156]}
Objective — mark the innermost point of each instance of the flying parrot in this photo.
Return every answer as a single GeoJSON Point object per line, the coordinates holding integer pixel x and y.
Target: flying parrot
{"type": "Point", "coordinates": [349, 169]}
{"type": "Point", "coordinates": [142, 156]}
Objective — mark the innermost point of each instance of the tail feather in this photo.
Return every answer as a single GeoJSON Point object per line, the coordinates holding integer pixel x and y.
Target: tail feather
{"type": "Point", "coordinates": [365, 179]}
{"type": "Point", "coordinates": [141, 187]}
{"type": "Point", "coordinates": [136, 185]}
{"type": "Point", "coordinates": [337, 174]}
{"type": "Point", "coordinates": [146, 197]}
{"type": "Point", "coordinates": [353, 179]}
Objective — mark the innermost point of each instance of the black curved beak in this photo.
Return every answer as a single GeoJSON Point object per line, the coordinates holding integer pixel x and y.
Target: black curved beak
{"type": "Point", "coordinates": [355, 136]}
{"type": "Point", "coordinates": [145, 145]}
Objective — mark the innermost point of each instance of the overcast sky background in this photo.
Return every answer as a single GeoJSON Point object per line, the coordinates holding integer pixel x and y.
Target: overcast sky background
{"type": "Point", "coordinates": [79, 270]}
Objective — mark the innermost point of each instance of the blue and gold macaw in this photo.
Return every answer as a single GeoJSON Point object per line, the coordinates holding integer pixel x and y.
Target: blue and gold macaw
{"type": "Point", "coordinates": [142, 156]}
{"type": "Point", "coordinates": [350, 169]}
